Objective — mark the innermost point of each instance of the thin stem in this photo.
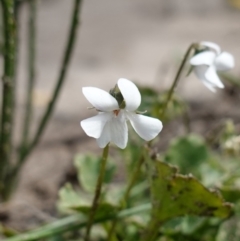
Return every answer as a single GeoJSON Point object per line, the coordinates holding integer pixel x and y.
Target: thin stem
{"type": "Point", "coordinates": [126, 195]}
{"type": "Point", "coordinates": [31, 75]}
{"type": "Point", "coordinates": [97, 192]}
{"type": "Point", "coordinates": [177, 78]}
{"type": "Point", "coordinates": [133, 180]}
{"type": "Point", "coordinates": [74, 222]}
{"type": "Point", "coordinates": [61, 79]}
{"type": "Point", "coordinates": [8, 87]}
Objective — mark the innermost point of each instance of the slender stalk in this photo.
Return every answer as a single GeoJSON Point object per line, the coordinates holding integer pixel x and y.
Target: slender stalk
{"type": "Point", "coordinates": [176, 79]}
{"type": "Point", "coordinates": [126, 195]}
{"type": "Point", "coordinates": [97, 192]}
{"type": "Point", "coordinates": [8, 87]}
{"type": "Point", "coordinates": [74, 222]}
{"type": "Point", "coordinates": [31, 74]}
{"type": "Point", "coordinates": [59, 84]}
{"type": "Point", "coordinates": [153, 225]}
{"type": "Point", "coordinates": [133, 180]}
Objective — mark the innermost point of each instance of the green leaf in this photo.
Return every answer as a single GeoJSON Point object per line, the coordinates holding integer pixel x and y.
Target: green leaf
{"type": "Point", "coordinates": [176, 195]}
{"type": "Point", "coordinates": [103, 210]}
{"type": "Point", "coordinates": [188, 152]}
{"type": "Point", "coordinates": [88, 169]}
{"type": "Point", "coordinates": [71, 201]}
{"type": "Point", "coordinates": [153, 102]}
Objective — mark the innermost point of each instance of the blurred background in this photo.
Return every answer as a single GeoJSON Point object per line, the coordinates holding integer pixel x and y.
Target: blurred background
{"type": "Point", "coordinates": [143, 41]}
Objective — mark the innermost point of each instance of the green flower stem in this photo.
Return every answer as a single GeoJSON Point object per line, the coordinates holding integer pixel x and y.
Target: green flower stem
{"type": "Point", "coordinates": [74, 222]}
{"type": "Point", "coordinates": [97, 192]}
{"type": "Point", "coordinates": [177, 78]}
{"type": "Point", "coordinates": [61, 79]}
{"type": "Point", "coordinates": [126, 195]}
{"type": "Point", "coordinates": [8, 93]}
{"type": "Point", "coordinates": [31, 75]}
{"type": "Point", "coordinates": [133, 180]}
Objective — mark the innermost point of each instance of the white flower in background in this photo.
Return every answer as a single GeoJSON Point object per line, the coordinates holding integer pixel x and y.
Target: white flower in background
{"type": "Point", "coordinates": [208, 62]}
{"type": "Point", "coordinates": [110, 123]}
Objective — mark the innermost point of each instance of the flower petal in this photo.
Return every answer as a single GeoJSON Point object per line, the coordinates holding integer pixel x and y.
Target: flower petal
{"type": "Point", "coordinates": [105, 137]}
{"type": "Point", "coordinates": [212, 77]}
{"type": "Point", "coordinates": [212, 46]}
{"type": "Point", "coordinates": [146, 127]}
{"type": "Point", "coordinates": [225, 61]}
{"type": "Point", "coordinates": [119, 133]}
{"type": "Point", "coordinates": [130, 94]}
{"type": "Point", "coordinates": [114, 131]}
{"type": "Point", "coordinates": [210, 86]}
{"type": "Point", "coordinates": [100, 99]}
{"type": "Point", "coordinates": [200, 72]}
{"type": "Point", "coordinates": [93, 126]}
{"type": "Point", "coordinates": [206, 58]}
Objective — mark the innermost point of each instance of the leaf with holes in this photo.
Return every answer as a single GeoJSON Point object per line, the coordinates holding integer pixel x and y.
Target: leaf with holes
{"type": "Point", "coordinates": [174, 195]}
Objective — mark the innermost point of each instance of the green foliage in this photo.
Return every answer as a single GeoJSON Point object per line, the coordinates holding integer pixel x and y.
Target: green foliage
{"type": "Point", "coordinates": [88, 168]}
{"type": "Point", "coordinates": [191, 228]}
{"type": "Point", "coordinates": [153, 103]}
{"type": "Point", "coordinates": [162, 204]}
{"type": "Point", "coordinates": [187, 152]}
{"type": "Point", "coordinates": [70, 201]}
{"type": "Point", "coordinates": [229, 230]}
{"type": "Point", "coordinates": [175, 195]}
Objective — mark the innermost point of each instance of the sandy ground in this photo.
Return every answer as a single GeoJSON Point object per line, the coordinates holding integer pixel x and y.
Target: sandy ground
{"type": "Point", "coordinates": [139, 40]}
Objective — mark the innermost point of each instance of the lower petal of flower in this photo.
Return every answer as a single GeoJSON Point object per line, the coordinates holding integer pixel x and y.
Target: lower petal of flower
{"type": "Point", "coordinates": [212, 77]}
{"type": "Point", "coordinates": [93, 126]}
{"type": "Point", "coordinates": [114, 131]}
{"type": "Point", "coordinates": [119, 133]}
{"type": "Point", "coordinates": [210, 86]}
{"type": "Point", "coordinates": [146, 127]}
{"type": "Point", "coordinates": [200, 72]}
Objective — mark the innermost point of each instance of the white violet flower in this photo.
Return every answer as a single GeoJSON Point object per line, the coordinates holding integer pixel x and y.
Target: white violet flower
{"type": "Point", "coordinates": [110, 125]}
{"type": "Point", "coordinates": [207, 62]}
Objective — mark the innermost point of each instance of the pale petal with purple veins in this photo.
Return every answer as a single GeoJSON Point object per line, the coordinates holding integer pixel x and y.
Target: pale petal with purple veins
{"type": "Point", "coordinates": [115, 131]}
{"type": "Point", "coordinates": [119, 133]}
{"type": "Point", "coordinates": [100, 99]}
{"type": "Point", "coordinates": [146, 127]}
{"type": "Point", "coordinates": [130, 94]}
